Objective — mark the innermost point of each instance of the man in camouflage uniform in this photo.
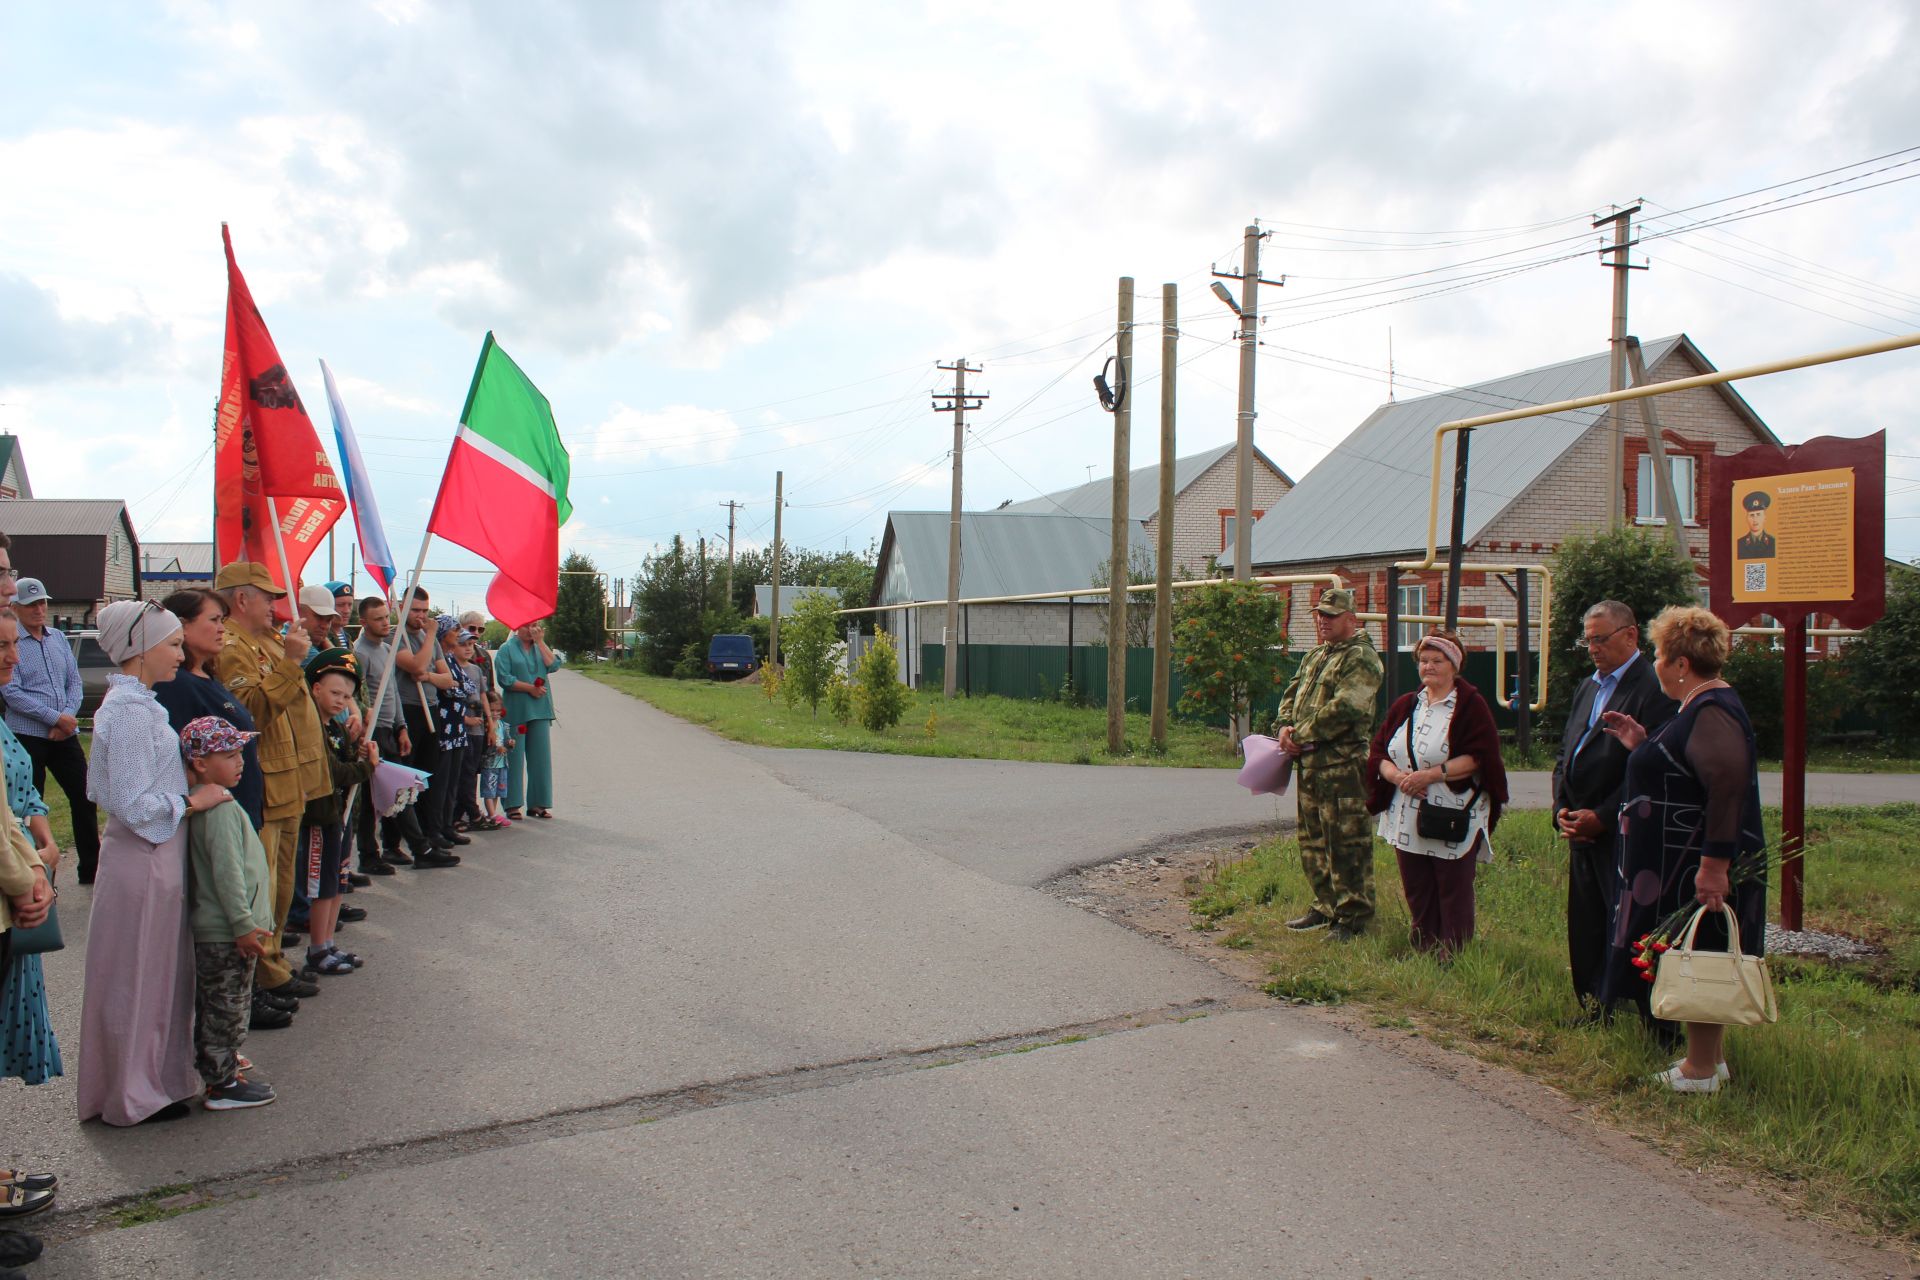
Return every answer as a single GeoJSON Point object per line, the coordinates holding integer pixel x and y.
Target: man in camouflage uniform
{"type": "Point", "coordinates": [1326, 718]}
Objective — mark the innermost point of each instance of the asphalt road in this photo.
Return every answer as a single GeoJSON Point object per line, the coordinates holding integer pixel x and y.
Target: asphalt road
{"type": "Point", "coordinates": [738, 1013]}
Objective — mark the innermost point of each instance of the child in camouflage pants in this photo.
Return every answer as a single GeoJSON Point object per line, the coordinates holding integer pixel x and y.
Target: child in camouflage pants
{"type": "Point", "coordinates": [230, 906]}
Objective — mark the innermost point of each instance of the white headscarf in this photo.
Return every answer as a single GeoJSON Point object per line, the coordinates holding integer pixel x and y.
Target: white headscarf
{"type": "Point", "coordinates": [128, 628]}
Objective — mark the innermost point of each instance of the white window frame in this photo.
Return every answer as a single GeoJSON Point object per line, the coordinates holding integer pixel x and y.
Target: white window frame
{"type": "Point", "coordinates": [1683, 488]}
{"type": "Point", "coordinates": [1410, 632]}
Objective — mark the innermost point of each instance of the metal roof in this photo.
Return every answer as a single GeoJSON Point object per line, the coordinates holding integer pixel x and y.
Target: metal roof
{"type": "Point", "coordinates": [1370, 495]}
{"type": "Point", "coordinates": [1095, 498]}
{"type": "Point", "coordinates": [184, 559]}
{"type": "Point", "coordinates": [54, 517]}
{"type": "Point", "coordinates": [10, 456]}
{"type": "Point", "coordinates": [790, 595]}
{"type": "Point", "coordinates": [1002, 553]}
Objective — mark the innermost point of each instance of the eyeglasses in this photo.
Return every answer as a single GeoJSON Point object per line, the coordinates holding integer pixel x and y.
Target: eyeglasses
{"type": "Point", "coordinates": [1589, 642]}
{"type": "Point", "coordinates": [9, 574]}
{"type": "Point", "coordinates": [148, 606]}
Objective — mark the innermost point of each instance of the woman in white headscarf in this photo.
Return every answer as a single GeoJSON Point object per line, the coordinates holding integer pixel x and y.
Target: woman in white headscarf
{"type": "Point", "coordinates": [136, 1025]}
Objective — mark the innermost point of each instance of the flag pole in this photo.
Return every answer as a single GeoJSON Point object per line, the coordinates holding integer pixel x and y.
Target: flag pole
{"type": "Point", "coordinates": [386, 677]}
{"type": "Point", "coordinates": [286, 570]}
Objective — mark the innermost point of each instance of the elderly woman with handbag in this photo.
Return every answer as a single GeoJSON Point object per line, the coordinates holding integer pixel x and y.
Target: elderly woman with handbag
{"type": "Point", "coordinates": [1692, 812]}
{"type": "Point", "coordinates": [1435, 777]}
{"type": "Point", "coordinates": [136, 1019]}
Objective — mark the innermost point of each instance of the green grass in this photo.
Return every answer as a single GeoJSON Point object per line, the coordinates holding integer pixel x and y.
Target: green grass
{"type": "Point", "coordinates": [1824, 1104]}
{"type": "Point", "coordinates": [977, 728]}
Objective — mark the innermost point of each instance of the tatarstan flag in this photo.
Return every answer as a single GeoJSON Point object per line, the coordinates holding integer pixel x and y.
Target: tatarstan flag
{"type": "Point", "coordinates": [504, 496]}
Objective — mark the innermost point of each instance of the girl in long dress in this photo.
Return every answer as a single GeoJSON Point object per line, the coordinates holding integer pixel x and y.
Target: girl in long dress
{"type": "Point", "coordinates": [28, 1049]}
{"type": "Point", "coordinates": [136, 1022]}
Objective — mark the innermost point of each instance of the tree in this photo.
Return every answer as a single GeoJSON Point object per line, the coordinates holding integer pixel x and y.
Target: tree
{"type": "Point", "coordinates": [668, 601]}
{"type": "Point", "coordinates": [1139, 603]}
{"type": "Point", "coordinates": [879, 699]}
{"type": "Point", "coordinates": [1641, 569]}
{"type": "Point", "coordinates": [851, 572]}
{"type": "Point", "coordinates": [495, 633]}
{"type": "Point", "coordinates": [808, 638]}
{"type": "Point", "coordinates": [579, 623]}
{"type": "Point", "coordinates": [1229, 639]}
{"type": "Point", "coordinates": [1884, 663]}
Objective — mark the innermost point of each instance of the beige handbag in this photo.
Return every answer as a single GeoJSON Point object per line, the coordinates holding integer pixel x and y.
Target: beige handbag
{"type": "Point", "coordinates": [1726, 987]}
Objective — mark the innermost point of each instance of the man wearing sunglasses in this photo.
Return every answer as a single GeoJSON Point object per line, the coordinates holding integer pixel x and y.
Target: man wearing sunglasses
{"type": "Point", "coordinates": [1588, 780]}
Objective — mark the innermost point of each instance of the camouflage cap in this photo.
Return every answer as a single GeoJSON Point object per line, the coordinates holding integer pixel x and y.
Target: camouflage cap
{"type": "Point", "coordinates": [1334, 601]}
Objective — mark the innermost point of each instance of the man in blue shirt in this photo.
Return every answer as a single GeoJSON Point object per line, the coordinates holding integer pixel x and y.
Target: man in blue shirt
{"type": "Point", "coordinates": [43, 710]}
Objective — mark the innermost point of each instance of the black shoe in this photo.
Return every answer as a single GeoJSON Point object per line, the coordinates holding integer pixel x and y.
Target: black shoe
{"type": "Point", "coordinates": [428, 861]}
{"type": "Point", "coordinates": [1309, 922]}
{"type": "Point", "coordinates": [352, 915]}
{"type": "Point", "coordinates": [40, 1181]}
{"type": "Point", "coordinates": [398, 857]}
{"type": "Point", "coordinates": [1345, 932]}
{"type": "Point", "coordinates": [454, 837]}
{"type": "Point", "coordinates": [375, 867]}
{"type": "Point", "coordinates": [290, 939]}
{"type": "Point", "coordinates": [172, 1111]}
{"type": "Point", "coordinates": [265, 1017]}
{"type": "Point", "coordinates": [286, 1004]}
{"type": "Point", "coordinates": [296, 987]}
{"type": "Point", "coordinates": [359, 879]}
{"type": "Point", "coordinates": [438, 844]}
{"type": "Point", "coordinates": [17, 1249]}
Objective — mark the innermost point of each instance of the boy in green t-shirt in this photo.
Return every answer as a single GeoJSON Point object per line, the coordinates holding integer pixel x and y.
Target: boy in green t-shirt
{"type": "Point", "coordinates": [230, 905]}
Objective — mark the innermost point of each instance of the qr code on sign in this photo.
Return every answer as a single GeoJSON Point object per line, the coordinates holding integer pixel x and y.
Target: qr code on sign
{"type": "Point", "coordinates": [1756, 577]}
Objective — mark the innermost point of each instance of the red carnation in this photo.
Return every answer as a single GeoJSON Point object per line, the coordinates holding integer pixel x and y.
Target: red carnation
{"type": "Point", "coordinates": [521, 730]}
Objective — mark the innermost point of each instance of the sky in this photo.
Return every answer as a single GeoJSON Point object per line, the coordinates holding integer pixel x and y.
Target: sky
{"type": "Point", "coordinates": [730, 240]}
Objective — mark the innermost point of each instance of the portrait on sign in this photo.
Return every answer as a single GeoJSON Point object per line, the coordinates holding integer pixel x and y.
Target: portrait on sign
{"type": "Point", "coordinates": [1793, 537]}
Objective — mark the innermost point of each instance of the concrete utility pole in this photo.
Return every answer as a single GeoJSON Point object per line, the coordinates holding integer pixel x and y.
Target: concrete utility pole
{"type": "Point", "coordinates": [958, 402]}
{"type": "Point", "coordinates": [732, 507]}
{"type": "Point", "coordinates": [1622, 221]}
{"type": "Point", "coordinates": [1163, 550]}
{"type": "Point", "coordinates": [1248, 309]}
{"type": "Point", "coordinates": [773, 624]}
{"type": "Point", "coordinates": [1117, 561]}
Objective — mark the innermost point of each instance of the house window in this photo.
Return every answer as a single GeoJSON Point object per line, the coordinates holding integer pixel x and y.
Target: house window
{"type": "Point", "coordinates": [1227, 522]}
{"type": "Point", "coordinates": [1681, 466]}
{"type": "Point", "coordinates": [1412, 600]}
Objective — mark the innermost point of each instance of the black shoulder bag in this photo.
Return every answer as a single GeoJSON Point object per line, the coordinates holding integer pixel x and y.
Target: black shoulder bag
{"type": "Point", "coordinates": [1440, 822]}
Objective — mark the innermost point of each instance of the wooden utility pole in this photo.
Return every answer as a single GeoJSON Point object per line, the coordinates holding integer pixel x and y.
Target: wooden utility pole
{"type": "Point", "coordinates": [1622, 221]}
{"type": "Point", "coordinates": [1117, 562]}
{"type": "Point", "coordinates": [958, 402]}
{"type": "Point", "coordinates": [1657, 450]}
{"type": "Point", "coordinates": [773, 624]}
{"type": "Point", "coordinates": [1163, 549]}
{"type": "Point", "coordinates": [732, 507]}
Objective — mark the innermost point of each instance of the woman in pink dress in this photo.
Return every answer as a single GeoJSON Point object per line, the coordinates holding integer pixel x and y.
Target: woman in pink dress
{"type": "Point", "coordinates": [136, 1024]}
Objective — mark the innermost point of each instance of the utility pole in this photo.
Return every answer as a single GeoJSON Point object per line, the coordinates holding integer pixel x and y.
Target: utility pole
{"type": "Point", "coordinates": [958, 402]}
{"type": "Point", "coordinates": [1657, 450]}
{"type": "Point", "coordinates": [773, 624]}
{"type": "Point", "coordinates": [1248, 309]}
{"type": "Point", "coordinates": [1163, 551]}
{"type": "Point", "coordinates": [1117, 561]}
{"type": "Point", "coordinates": [731, 507]}
{"type": "Point", "coordinates": [1622, 221]}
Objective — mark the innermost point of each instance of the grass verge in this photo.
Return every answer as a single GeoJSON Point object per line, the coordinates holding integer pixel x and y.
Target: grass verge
{"type": "Point", "coordinates": [977, 728]}
{"type": "Point", "coordinates": [1824, 1105]}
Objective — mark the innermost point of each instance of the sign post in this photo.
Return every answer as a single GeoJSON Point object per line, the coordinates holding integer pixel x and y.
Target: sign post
{"type": "Point", "coordinates": [1795, 532]}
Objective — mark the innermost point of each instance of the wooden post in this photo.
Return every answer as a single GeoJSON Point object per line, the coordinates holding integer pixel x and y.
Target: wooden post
{"type": "Point", "coordinates": [1163, 551]}
{"type": "Point", "coordinates": [1117, 563]}
{"type": "Point", "coordinates": [773, 624]}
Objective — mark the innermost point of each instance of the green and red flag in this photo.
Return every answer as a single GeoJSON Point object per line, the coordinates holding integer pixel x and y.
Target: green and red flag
{"type": "Point", "coordinates": [504, 496]}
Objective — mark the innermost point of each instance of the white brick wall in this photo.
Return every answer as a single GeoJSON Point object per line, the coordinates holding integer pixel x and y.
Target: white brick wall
{"type": "Point", "coordinates": [1196, 512]}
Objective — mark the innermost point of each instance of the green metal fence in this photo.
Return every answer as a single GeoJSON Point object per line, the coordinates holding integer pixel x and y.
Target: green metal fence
{"type": "Point", "coordinates": [1041, 671]}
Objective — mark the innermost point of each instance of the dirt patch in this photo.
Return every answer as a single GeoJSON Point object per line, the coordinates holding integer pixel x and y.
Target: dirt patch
{"type": "Point", "coordinates": [1148, 892]}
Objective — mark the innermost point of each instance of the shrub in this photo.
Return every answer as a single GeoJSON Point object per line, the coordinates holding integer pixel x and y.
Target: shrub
{"type": "Point", "coordinates": [809, 644]}
{"type": "Point", "coordinates": [880, 699]}
{"type": "Point", "coordinates": [840, 697]}
{"type": "Point", "coordinates": [1758, 673]}
{"type": "Point", "coordinates": [1229, 639]}
{"type": "Point", "coordinates": [692, 662]}
{"type": "Point", "coordinates": [770, 682]}
{"type": "Point", "coordinates": [1884, 662]}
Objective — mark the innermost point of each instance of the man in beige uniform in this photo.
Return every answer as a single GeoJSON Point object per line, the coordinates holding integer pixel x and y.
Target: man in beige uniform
{"type": "Point", "coordinates": [262, 670]}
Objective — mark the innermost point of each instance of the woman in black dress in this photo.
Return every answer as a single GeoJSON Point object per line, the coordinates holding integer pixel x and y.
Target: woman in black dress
{"type": "Point", "coordinates": [1692, 812]}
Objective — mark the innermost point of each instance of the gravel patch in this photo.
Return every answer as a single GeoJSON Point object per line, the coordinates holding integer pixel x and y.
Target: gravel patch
{"type": "Point", "coordinates": [1812, 942]}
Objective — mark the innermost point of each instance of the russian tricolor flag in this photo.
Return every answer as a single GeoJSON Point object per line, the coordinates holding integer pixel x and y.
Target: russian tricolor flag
{"type": "Point", "coordinates": [374, 552]}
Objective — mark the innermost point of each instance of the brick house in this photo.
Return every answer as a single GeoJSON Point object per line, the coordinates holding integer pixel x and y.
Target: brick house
{"type": "Point", "coordinates": [1530, 484]}
{"type": "Point", "coordinates": [83, 549]}
{"type": "Point", "coordinates": [167, 567]}
{"type": "Point", "coordinates": [1203, 505]}
{"type": "Point", "coordinates": [1002, 553]}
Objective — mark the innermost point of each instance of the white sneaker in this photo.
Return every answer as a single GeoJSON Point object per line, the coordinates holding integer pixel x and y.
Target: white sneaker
{"type": "Point", "coordinates": [1674, 1080]}
{"type": "Point", "coordinates": [1720, 1071]}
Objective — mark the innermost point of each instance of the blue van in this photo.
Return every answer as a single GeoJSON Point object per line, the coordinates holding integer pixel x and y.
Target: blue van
{"type": "Point", "coordinates": [729, 657]}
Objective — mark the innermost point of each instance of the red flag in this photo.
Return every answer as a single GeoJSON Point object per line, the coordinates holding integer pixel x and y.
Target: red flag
{"type": "Point", "coordinates": [265, 448]}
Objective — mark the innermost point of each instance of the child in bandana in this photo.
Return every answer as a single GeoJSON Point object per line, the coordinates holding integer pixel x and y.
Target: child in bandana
{"type": "Point", "coordinates": [230, 907]}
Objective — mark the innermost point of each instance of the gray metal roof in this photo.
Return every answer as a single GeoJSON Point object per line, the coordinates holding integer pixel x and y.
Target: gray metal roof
{"type": "Point", "coordinates": [790, 596]}
{"type": "Point", "coordinates": [188, 559]}
{"type": "Point", "coordinates": [1002, 553]}
{"type": "Point", "coordinates": [50, 517]}
{"type": "Point", "coordinates": [1370, 495]}
{"type": "Point", "coordinates": [1095, 498]}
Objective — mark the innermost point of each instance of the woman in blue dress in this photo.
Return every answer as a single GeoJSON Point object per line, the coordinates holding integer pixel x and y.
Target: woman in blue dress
{"type": "Point", "coordinates": [1692, 814]}
{"type": "Point", "coordinates": [27, 1045]}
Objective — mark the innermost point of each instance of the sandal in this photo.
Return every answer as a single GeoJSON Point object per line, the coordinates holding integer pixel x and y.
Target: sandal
{"type": "Point", "coordinates": [330, 964]}
{"type": "Point", "coordinates": [514, 815]}
{"type": "Point", "coordinates": [542, 813]}
{"type": "Point", "coordinates": [348, 956]}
